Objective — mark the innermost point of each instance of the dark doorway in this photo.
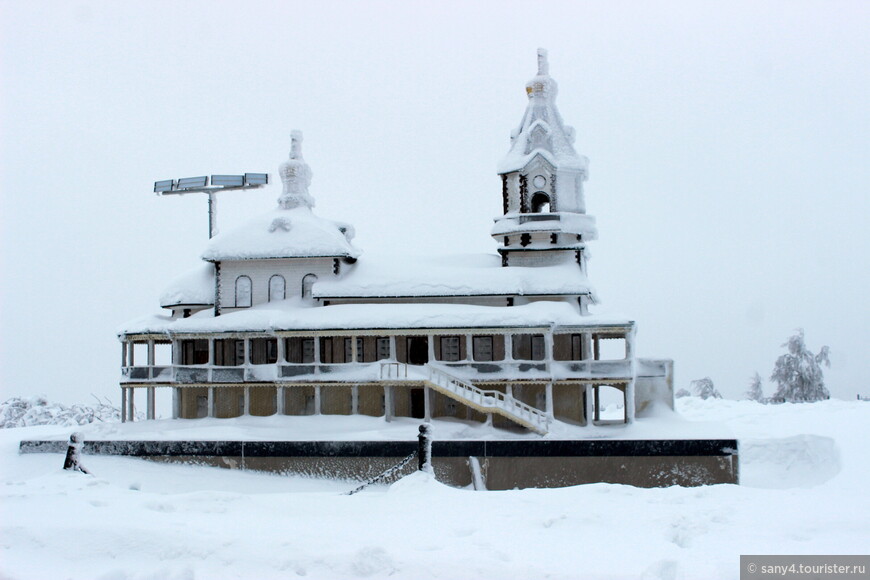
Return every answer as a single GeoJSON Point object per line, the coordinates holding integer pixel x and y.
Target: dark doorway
{"type": "Point", "coordinates": [418, 350]}
{"type": "Point", "coordinates": [418, 404]}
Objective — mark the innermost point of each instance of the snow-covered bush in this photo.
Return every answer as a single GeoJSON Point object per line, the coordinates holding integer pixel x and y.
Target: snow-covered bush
{"type": "Point", "coordinates": [704, 388]}
{"type": "Point", "coordinates": [682, 393]}
{"type": "Point", "coordinates": [798, 373]}
{"type": "Point", "coordinates": [28, 411]}
{"type": "Point", "coordinates": [755, 391]}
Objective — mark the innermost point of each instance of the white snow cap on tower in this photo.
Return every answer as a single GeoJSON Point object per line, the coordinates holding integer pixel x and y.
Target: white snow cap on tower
{"type": "Point", "coordinates": [296, 176]}
{"type": "Point", "coordinates": [542, 131]}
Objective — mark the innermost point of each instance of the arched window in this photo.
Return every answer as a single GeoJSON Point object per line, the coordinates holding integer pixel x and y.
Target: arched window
{"type": "Point", "coordinates": [277, 288]}
{"type": "Point", "coordinates": [243, 292]}
{"type": "Point", "coordinates": [540, 202]}
{"type": "Point", "coordinates": [307, 282]}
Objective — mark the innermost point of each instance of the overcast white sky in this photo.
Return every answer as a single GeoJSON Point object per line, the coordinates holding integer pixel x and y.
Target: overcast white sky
{"type": "Point", "coordinates": [728, 145]}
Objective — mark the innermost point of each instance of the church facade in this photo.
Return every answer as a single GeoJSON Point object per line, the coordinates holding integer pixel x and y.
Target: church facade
{"type": "Point", "coordinates": [287, 317]}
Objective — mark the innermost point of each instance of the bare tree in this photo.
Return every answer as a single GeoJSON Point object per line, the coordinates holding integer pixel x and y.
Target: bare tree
{"type": "Point", "coordinates": [755, 391]}
{"type": "Point", "coordinates": [704, 388]}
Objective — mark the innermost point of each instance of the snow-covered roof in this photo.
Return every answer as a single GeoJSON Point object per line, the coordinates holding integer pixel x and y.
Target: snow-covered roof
{"type": "Point", "coordinates": [293, 315]}
{"type": "Point", "coordinates": [284, 233]}
{"type": "Point", "coordinates": [193, 288]}
{"type": "Point", "coordinates": [462, 275]}
{"type": "Point", "coordinates": [542, 131]}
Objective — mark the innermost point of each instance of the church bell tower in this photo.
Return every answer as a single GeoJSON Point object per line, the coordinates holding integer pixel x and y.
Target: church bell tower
{"type": "Point", "coordinates": [544, 221]}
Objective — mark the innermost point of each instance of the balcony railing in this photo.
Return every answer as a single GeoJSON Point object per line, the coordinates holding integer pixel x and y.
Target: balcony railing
{"type": "Point", "coordinates": [371, 371]}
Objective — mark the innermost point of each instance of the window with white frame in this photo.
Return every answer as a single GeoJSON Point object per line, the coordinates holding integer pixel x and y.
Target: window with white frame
{"type": "Point", "coordinates": [243, 292]}
{"type": "Point", "coordinates": [277, 288]}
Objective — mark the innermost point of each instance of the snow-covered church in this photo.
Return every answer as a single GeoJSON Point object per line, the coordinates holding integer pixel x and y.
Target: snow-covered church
{"type": "Point", "coordinates": [286, 316]}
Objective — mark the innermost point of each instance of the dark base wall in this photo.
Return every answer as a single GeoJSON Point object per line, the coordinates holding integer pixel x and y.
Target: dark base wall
{"type": "Point", "coordinates": [504, 464]}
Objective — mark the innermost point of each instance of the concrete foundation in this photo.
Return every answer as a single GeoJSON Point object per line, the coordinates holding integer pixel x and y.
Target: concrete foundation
{"type": "Point", "coordinates": [504, 464]}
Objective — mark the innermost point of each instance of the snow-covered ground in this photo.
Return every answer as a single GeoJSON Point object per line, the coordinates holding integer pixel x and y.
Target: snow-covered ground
{"type": "Point", "coordinates": [804, 470]}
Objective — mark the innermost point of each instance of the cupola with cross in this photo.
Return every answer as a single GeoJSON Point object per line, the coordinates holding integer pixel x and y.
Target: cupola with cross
{"type": "Point", "coordinates": [544, 219]}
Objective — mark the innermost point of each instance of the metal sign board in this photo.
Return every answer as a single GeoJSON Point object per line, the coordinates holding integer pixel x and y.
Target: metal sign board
{"type": "Point", "coordinates": [164, 185]}
{"type": "Point", "coordinates": [228, 180]}
{"type": "Point", "coordinates": [256, 178]}
{"type": "Point", "coordinates": [191, 182]}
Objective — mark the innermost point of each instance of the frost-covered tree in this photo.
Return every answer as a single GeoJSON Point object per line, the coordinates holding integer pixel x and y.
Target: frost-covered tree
{"type": "Point", "coordinates": [704, 388]}
{"type": "Point", "coordinates": [682, 393]}
{"type": "Point", "coordinates": [28, 411]}
{"type": "Point", "coordinates": [755, 392]}
{"type": "Point", "coordinates": [798, 373]}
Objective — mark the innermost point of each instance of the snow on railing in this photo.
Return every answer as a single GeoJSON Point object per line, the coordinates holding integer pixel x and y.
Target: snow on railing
{"type": "Point", "coordinates": [509, 406]}
{"type": "Point", "coordinates": [388, 368]}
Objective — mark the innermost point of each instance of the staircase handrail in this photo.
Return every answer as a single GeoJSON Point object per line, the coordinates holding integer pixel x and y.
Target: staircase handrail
{"type": "Point", "coordinates": [439, 376]}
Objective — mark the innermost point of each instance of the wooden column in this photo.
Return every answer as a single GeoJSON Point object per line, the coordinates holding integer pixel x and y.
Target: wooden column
{"type": "Point", "coordinates": [469, 347]}
{"type": "Point", "coordinates": [548, 400]}
{"type": "Point", "coordinates": [587, 394]}
{"type": "Point", "coordinates": [317, 399]}
{"type": "Point", "coordinates": [176, 402]}
{"type": "Point", "coordinates": [150, 410]}
{"type": "Point", "coordinates": [279, 400]}
{"type": "Point", "coordinates": [354, 355]}
{"type": "Point", "coordinates": [388, 402]}
{"type": "Point", "coordinates": [211, 402]}
{"type": "Point", "coordinates": [123, 404]}
{"type": "Point", "coordinates": [247, 407]}
{"type": "Point", "coordinates": [586, 346]}
{"type": "Point", "coordinates": [508, 347]}
{"type": "Point", "coordinates": [596, 393]}
{"type": "Point", "coordinates": [131, 404]}
{"type": "Point", "coordinates": [393, 347]}
{"type": "Point", "coordinates": [354, 400]}
{"type": "Point", "coordinates": [280, 343]}
{"type": "Point", "coordinates": [427, 411]}
{"type": "Point", "coordinates": [431, 344]}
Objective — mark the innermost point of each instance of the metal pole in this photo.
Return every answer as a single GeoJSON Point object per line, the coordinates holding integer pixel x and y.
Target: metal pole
{"type": "Point", "coordinates": [212, 215]}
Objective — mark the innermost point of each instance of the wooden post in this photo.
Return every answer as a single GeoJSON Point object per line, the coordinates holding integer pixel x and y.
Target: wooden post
{"type": "Point", "coordinates": [247, 410]}
{"type": "Point", "coordinates": [211, 402]}
{"type": "Point", "coordinates": [427, 412]}
{"type": "Point", "coordinates": [354, 400]}
{"type": "Point", "coordinates": [317, 399]}
{"type": "Point", "coordinates": [123, 404]}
